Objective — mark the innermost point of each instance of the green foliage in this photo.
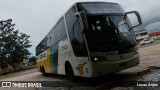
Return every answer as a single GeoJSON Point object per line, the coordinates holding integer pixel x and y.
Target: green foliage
{"type": "Point", "coordinates": [13, 45]}
{"type": "Point", "coordinates": [32, 60]}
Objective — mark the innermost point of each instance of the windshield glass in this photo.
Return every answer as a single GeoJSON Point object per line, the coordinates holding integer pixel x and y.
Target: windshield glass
{"type": "Point", "coordinates": [100, 7]}
{"type": "Point", "coordinates": [108, 33]}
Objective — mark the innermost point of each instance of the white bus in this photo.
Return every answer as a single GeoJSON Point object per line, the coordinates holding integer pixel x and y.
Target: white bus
{"type": "Point", "coordinates": [92, 39]}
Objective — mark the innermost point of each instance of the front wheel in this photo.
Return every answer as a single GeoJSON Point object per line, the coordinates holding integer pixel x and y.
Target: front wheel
{"type": "Point", "coordinates": [69, 72]}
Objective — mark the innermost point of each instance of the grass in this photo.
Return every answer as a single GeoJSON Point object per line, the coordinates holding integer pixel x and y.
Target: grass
{"type": "Point", "coordinates": [18, 71]}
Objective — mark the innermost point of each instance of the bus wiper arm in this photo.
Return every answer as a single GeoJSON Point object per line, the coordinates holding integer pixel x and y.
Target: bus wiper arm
{"type": "Point", "coordinates": [121, 34]}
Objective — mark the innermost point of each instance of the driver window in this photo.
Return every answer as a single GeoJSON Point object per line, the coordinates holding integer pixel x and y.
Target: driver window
{"type": "Point", "coordinates": [79, 44]}
{"type": "Point", "coordinates": [123, 28]}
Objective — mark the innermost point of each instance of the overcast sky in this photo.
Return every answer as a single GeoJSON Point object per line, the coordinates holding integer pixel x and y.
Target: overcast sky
{"type": "Point", "coordinates": [37, 17]}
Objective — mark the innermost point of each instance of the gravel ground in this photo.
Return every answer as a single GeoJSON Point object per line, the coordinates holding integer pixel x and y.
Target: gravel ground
{"type": "Point", "coordinates": [150, 56]}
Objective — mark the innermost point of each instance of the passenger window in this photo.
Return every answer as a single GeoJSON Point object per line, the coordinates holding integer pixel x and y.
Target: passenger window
{"type": "Point", "coordinates": [75, 34]}
{"type": "Point", "coordinates": [61, 32]}
{"type": "Point", "coordinates": [54, 36]}
{"type": "Point", "coordinates": [79, 44]}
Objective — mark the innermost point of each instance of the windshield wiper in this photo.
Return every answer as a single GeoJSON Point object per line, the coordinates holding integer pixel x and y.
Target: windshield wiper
{"type": "Point", "coordinates": [119, 33]}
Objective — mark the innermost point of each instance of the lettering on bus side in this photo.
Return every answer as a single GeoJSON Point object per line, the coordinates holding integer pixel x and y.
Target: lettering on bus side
{"type": "Point", "coordinates": [42, 56]}
{"type": "Point", "coordinates": [65, 47]}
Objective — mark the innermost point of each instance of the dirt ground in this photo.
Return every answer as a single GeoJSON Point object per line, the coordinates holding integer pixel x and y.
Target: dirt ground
{"type": "Point", "coordinates": [150, 56]}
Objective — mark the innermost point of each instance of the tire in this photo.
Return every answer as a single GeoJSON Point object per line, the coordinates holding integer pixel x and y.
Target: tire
{"type": "Point", "coordinates": [40, 69]}
{"type": "Point", "coordinates": [43, 71]}
{"type": "Point", "coordinates": [69, 72]}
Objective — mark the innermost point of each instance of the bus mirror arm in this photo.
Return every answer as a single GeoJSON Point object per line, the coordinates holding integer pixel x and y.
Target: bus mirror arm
{"type": "Point", "coordinates": [77, 14]}
{"type": "Point", "coordinates": [138, 17]}
{"type": "Point", "coordinates": [82, 20]}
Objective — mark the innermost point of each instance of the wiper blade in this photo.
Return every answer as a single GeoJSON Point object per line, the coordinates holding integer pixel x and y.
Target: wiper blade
{"type": "Point", "coordinates": [121, 34]}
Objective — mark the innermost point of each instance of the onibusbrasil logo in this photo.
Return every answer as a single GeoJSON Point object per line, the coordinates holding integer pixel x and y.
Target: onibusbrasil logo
{"type": "Point", "coordinates": [21, 84]}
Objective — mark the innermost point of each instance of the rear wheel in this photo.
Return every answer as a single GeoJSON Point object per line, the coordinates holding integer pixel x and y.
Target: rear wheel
{"type": "Point", "coordinates": [40, 69]}
{"type": "Point", "coordinates": [43, 71]}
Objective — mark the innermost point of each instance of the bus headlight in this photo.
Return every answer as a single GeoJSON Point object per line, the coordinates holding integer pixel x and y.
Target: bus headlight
{"type": "Point", "coordinates": [98, 58]}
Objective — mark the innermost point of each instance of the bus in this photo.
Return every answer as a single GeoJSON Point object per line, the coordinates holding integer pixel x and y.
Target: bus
{"type": "Point", "coordinates": [91, 39]}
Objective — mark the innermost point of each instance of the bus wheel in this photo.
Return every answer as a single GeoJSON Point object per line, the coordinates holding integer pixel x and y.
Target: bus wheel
{"type": "Point", "coordinates": [40, 69]}
{"type": "Point", "coordinates": [43, 71]}
{"type": "Point", "coordinates": [69, 72]}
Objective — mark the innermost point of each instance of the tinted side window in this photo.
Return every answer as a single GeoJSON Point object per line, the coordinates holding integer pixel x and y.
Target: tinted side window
{"type": "Point", "coordinates": [61, 30]}
{"type": "Point", "coordinates": [71, 19]}
{"type": "Point", "coordinates": [49, 38]}
{"type": "Point", "coordinates": [79, 44]}
{"type": "Point", "coordinates": [41, 47]}
{"type": "Point", "coordinates": [74, 31]}
{"type": "Point", "coordinates": [53, 37]}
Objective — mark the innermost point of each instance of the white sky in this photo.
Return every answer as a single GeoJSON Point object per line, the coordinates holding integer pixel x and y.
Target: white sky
{"type": "Point", "coordinates": [37, 17]}
{"type": "Point", "coordinates": [153, 26]}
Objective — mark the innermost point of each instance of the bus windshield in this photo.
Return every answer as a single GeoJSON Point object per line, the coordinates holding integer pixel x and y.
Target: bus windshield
{"type": "Point", "coordinates": [109, 33]}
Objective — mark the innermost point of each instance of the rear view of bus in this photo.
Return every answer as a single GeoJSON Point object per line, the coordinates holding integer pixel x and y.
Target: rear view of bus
{"type": "Point", "coordinates": [109, 36]}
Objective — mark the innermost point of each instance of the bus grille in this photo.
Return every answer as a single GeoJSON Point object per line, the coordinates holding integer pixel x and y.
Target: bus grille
{"type": "Point", "coordinates": [119, 57]}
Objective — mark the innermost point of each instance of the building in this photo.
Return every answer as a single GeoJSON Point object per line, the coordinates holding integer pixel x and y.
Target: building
{"type": "Point", "coordinates": [155, 35]}
{"type": "Point", "coordinates": [141, 34]}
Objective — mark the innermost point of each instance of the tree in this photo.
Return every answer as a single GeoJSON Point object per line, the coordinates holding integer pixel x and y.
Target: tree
{"type": "Point", "coordinates": [13, 45]}
{"type": "Point", "coordinates": [32, 60]}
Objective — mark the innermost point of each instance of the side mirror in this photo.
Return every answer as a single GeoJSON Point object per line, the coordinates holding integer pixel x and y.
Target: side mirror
{"type": "Point", "coordinates": [82, 20]}
{"type": "Point", "coordinates": [134, 18]}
